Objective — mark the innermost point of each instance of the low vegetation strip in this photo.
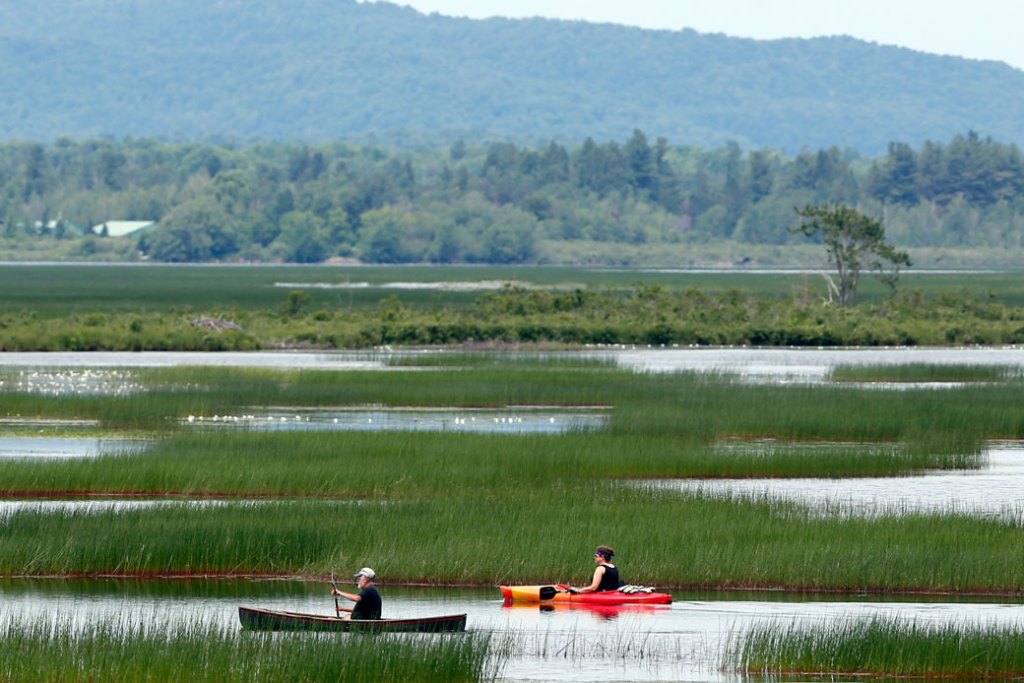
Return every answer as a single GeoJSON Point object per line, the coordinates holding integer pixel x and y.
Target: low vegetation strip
{"type": "Point", "coordinates": [644, 316]}
{"type": "Point", "coordinates": [135, 651]}
{"type": "Point", "coordinates": [880, 646]}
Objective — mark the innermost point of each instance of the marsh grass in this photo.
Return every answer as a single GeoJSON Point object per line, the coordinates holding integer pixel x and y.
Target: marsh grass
{"type": "Point", "coordinates": [922, 372]}
{"type": "Point", "coordinates": [447, 507]}
{"type": "Point", "coordinates": [880, 646]}
{"type": "Point", "coordinates": [128, 651]}
{"type": "Point", "coordinates": [670, 540]}
{"type": "Point", "coordinates": [687, 407]}
{"type": "Point", "coordinates": [427, 465]}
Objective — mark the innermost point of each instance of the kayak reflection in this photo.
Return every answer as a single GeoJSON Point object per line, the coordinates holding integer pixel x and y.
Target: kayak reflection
{"type": "Point", "coordinates": [601, 612]}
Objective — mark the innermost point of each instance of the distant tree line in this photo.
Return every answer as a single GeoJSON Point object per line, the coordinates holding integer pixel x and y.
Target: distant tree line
{"type": "Point", "coordinates": [491, 203]}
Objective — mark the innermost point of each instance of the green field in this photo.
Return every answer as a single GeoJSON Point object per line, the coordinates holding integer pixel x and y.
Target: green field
{"type": "Point", "coordinates": [59, 290]}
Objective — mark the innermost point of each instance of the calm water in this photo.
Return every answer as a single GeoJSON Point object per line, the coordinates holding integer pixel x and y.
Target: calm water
{"type": "Point", "coordinates": [519, 420]}
{"type": "Point", "coordinates": [804, 365]}
{"type": "Point", "coordinates": [777, 364]}
{"type": "Point", "coordinates": [680, 642]}
{"type": "Point", "coordinates": [995, 490]}
{"type": "Point", "coordinates": [30, 447]}
{"type": "Point", "coordinates": [163, 359]}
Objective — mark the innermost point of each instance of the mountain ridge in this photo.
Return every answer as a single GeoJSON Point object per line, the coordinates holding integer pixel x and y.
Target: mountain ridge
{"type": "Point", "coordinates": [313, 70]}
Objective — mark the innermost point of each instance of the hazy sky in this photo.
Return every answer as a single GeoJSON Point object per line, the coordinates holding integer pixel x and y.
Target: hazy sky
{"type": "Point", "coordinates": [979, 29]}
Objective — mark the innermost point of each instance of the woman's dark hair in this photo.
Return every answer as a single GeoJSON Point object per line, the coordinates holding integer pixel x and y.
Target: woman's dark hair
{"type": "Point", "coordinates": [607, 551]}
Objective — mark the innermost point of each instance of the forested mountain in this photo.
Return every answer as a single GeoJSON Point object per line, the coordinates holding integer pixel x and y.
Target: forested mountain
{"type": "Point", "coordinates": [317, 70]}
{"type": "Point", "coordinates": [639, 201]}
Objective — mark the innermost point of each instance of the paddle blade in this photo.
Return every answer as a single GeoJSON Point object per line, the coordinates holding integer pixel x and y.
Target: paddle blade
{"type": "Point", "coordinates": [547, 592]}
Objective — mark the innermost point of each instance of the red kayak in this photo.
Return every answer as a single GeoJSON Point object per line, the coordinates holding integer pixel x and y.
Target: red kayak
{"type": "Point", "coordinates": [559, 593]}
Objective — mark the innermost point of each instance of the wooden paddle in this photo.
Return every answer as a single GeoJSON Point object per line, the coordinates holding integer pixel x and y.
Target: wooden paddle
{"type": "Point", "coordinates": [337, 608]}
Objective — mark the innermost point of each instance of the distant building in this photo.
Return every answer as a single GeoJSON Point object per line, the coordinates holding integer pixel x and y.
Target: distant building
{"type": "Point", "coordinates": [121, 228]}
{"type": "Point", "coordinates": [60, 227]}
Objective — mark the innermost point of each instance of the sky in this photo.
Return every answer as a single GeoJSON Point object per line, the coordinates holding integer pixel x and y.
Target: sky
{"type": "Point", "coordinates": [976, 29]}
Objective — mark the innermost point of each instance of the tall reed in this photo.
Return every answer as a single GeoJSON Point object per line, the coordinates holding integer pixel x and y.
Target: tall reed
{"type": "Point", "coordinates": [517, 535]}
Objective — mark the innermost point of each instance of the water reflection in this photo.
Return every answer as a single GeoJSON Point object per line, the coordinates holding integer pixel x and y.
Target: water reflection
{"type": "Point", "coordinates": [995, 490]}
{"type": "Point", "coordinates": [801, 365]}
{"type": "Point", "coordinates": [520, 420]}
{"type": "Point", "coordinates": [76, 382]}
{"type": "Point", "coordinates": [32, 447]}
{"type": "Point", "coordinates": [678, 642]}
{"type": "Point", "coordinates": [355, 360]}
{"type": "Point", "coordinates": [599, 612]}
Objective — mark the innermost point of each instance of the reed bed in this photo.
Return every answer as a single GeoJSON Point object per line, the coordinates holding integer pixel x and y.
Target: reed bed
{"type": "Point", "coordinates": [128, 651]}
{"type": "Point", "coordinates": [687, 407]}
{"type": "Point", "coordinates": [663, 538]}
{"type": "Point", "coordinates": [178, 392]}
{"type": "Point", "coordinates": [447, 507]}
{"type": "Point", "coordinates": [880, 646]}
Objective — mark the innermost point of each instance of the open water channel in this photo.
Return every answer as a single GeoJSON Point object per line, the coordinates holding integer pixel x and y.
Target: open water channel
{"type": "Point", "coordinates": [682, 641]}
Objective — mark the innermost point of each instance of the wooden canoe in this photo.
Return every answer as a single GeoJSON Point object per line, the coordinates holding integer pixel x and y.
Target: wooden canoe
{"type": "Point", "coordinates": [256, 619]}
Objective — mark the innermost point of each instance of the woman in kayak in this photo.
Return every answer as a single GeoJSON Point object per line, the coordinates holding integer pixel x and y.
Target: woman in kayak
{"type": "Point", "coordinates": [606, 574]}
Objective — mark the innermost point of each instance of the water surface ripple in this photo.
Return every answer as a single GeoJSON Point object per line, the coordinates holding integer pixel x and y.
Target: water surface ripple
{"type": "Point", "coordinates": [679, 642]}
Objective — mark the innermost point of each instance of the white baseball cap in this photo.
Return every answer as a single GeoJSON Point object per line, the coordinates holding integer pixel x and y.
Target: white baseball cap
{"type": "Point", "coordinates": [367, 572]}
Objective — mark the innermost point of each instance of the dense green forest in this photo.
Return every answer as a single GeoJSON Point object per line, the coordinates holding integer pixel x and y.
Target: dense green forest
{"type": "Point", "coordinates": [494, 203]}
{"type": "Point", "coordinates": [318, 70]}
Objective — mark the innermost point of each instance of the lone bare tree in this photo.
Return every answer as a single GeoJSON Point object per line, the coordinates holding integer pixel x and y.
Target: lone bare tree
{"type": "Point", "coordinates": [855, 242]}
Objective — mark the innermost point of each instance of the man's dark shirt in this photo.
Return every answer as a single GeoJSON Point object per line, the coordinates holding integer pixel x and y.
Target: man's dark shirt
{"type": "Point", "coordinates": [368, 605]}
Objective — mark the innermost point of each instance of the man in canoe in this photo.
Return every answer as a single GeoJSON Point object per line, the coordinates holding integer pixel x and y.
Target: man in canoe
{"type": "Point", "coordinates": [368, 602]}
{"type": "Point", "coordinates": [606, 574]}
